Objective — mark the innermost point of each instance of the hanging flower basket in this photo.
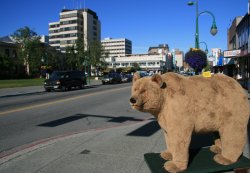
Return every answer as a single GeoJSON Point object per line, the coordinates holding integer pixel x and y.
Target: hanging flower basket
{"type": "Point", "coordinates": [196, 59]}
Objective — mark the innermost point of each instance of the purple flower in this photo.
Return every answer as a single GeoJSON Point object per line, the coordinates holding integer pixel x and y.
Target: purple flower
{"type": "Point", "coordinates": [197, 59]}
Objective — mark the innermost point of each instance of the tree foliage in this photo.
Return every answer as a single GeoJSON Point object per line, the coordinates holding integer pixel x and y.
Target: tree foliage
{"type": "Point", "coordinates": [4, 62]}
{"type": "Point", "coordinates": [30, 49]}
{"type": "Point", "coordinates": [70, 58]}
{"type": "Point", "coordinates": [80, 53]}
{"type": "Point", "coordinates": [97, 55]}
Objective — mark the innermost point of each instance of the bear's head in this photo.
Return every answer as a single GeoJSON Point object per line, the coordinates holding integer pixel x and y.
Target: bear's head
{"type": "Point", "coordinates": [147, 93]}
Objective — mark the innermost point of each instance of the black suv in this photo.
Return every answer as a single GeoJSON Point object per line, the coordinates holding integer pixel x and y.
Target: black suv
{"type": "Point", "coordinates": [65, 80]}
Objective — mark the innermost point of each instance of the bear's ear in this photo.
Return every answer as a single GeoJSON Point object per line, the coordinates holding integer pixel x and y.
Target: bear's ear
{"type": "Point", "coordinates": [136, 77]}
{"type": "Point", "coordinates": [157, 78]}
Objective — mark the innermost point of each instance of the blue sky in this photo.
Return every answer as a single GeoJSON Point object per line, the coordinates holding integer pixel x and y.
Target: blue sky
{"type": "Point", "coordinates": [145, 22]}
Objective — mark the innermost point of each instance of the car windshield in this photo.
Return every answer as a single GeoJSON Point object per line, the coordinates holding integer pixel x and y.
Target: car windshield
{"type": "Point", "coordinates": [57, 75]}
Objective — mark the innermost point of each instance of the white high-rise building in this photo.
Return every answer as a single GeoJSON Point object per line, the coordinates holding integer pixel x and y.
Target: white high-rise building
{"type": "Point", "coordinates": [117, 47]}
{"type": "Point", "coordinates": [216, 52]}
{"type": "Point", "coordinates": [73, 24]}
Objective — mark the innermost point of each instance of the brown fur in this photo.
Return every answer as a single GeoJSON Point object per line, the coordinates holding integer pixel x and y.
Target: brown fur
{"type": "Point", "coordinates": [183, 105]}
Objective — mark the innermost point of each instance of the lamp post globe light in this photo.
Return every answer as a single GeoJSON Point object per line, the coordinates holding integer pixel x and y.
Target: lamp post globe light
{"type": "Point", "coordinates": [213, 29]}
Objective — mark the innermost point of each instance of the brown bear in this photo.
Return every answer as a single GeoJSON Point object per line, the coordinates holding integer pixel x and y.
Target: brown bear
{"type": "Point", "coordinates": [183, 105]}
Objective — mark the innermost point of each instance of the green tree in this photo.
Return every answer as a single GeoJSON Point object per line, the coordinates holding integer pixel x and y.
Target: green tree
{"type": "Point", "coordinates": [97, 55]}
{"type": "Point", "coordinates": [10, 67]}
{"type": "Point", "coordinates": [29, 44]}
{"type": "Point", "coordinates": [52, 58]}
{"type": "Point", "coordinates": [80, 53]}
{"type": "Point", "coordinates": [136, 66]}
{"type": "Point", "coordinates": [35, 53]}
{"type": "Point", "coordinates": [4, 62]}
{"type": "Point", "coordinates": [70, 58]}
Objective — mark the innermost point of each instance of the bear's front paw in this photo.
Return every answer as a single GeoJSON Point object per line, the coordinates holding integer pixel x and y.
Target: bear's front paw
{"type": "Point", "coordinates": [222, 160]}
{"type": "Point", "coordinates": [166, 155]}
{"type": "Point", "coordinates": [171, 167]}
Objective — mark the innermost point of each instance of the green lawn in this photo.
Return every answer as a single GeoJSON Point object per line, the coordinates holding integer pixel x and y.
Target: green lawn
{"type": "Point", "coordinates": [21, 83]}
{"type": "Point", "coordinates": [24, 82]}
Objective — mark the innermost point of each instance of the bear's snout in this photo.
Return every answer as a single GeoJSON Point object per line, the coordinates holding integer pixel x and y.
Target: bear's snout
{"type": "Point", "coordinates": [132, 100]}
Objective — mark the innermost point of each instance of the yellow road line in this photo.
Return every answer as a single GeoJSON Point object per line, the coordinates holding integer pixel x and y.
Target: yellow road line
{"type": "Point", "coordinates": [59, 101]}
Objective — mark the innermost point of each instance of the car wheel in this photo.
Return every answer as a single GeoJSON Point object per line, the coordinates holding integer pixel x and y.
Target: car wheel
{"type": "Point", "coordinates": [47, 90]}
{"type": "Point", "coordinates": [64, 88]}
{"type": "Point", "coordinates": [81, 86]}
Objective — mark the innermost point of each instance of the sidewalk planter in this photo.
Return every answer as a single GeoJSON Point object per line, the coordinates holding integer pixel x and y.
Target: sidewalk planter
{"type": "Point", "coordinates": [196, 59]}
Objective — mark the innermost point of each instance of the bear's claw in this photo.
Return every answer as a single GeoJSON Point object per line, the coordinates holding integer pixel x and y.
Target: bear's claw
{"type": "Point", "coordinates": [166, 155]}
{"type": "Point", "coordinates": [222, 160]}
{"type": "Point", "coordinates": [171, 167]}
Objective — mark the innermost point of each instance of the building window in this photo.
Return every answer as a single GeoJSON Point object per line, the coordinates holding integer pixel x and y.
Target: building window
{"type": "Point", "coordinates": [68, 22]}
{"type": "Point", "coordinates": [68, 15]}
{"type": "Point", "coordinates": [125, 64]}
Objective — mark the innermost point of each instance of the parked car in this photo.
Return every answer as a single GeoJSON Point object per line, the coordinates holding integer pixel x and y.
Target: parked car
{"type": "Point", "coordinates": [186, 73]}
{"type": "Point", "coordinates": [143, 73]}
{"type": "Point", "coordinates": [65, 80]}
{"type": "Point", "coordinates": [127, 78]}
{"type": "Point", "coordinates": [111, 78]}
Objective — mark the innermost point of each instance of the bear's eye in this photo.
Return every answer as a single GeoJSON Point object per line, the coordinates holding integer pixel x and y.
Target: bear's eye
{"type": "Point", "coordinates": [142, 91]}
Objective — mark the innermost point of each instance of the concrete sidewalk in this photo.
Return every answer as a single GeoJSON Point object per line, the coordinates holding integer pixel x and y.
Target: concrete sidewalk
{"type": "Point", "coordinates": [117, 149]}
{"type": "Point", "coordinates": [110, 150]}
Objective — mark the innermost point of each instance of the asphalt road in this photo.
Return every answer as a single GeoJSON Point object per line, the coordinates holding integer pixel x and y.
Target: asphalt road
{"type": "Point", "coordinates": [28, 118]}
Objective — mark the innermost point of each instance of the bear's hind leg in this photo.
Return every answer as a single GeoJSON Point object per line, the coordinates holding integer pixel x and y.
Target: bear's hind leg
{"type": "Point", "coordinates": [232, 143]}
{"type": "Point", "coordinates": [216, 148]}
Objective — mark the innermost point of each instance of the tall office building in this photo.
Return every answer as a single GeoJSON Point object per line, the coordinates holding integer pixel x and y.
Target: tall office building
{"type": "Point", "coordinates": [73, 24]}
{"type": "Point", "coordinates": [117, 47]}
{"type": "Point", "coordinates": [161, 49]}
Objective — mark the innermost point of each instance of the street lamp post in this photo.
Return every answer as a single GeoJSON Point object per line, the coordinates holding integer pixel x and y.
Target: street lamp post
{"type": "Point", "coordinates": [213, 30]}
{"type": "Point", "coordinates": [86, 63]}
{"type": "Point", "coordinates": [206, 50]}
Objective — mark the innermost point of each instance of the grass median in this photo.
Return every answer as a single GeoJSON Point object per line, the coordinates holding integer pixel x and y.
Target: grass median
{"type": "Point", "coordinates": [27, 82]}
{"type": "Point", "coordinates": [21, 83]}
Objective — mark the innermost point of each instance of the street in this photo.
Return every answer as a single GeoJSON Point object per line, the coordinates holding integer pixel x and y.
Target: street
{"type": "Point", "coordinates": [90, 130]}
{"type": "Point", "coordinates": [28, 118]}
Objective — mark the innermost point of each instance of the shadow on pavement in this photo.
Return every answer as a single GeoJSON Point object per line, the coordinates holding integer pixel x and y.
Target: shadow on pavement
{"type": "Point", "coordinates": [146, 130]}
{"type": "Point", "coordinates": [61, 121]}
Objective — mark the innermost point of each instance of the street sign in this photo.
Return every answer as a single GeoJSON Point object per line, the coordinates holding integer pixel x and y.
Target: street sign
{"type": "Point", "coordinates": [231, 53]}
